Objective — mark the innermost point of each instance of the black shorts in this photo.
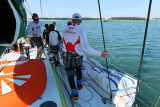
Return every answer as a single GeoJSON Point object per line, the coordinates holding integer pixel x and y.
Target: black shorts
{"type": "Point", "coordinates": [54, 49]}
{"type": "Point", "coordinates": [37, 41]}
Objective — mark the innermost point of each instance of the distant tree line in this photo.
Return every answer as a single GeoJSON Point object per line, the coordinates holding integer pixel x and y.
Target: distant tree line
{"type": "Point", "coordinates": [127, 18]}
{"type": "Point", "coordinates": [89, 18]}
{"type": "Point", "coordinates": [65, 18]}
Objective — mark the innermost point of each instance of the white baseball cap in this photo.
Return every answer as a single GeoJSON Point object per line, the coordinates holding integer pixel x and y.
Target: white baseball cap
{"type": "Point", "coordinates": [76, 16]}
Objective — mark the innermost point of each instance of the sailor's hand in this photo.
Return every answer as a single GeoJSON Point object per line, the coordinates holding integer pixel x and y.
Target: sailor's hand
{"type": "Point", "coordinates": [35, 35]}
{"type": "Point", "coordinates": [105, 54]}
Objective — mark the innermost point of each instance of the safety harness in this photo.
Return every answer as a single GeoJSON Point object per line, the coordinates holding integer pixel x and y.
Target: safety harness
{"type": "Point", "coordinates": [72, 60]}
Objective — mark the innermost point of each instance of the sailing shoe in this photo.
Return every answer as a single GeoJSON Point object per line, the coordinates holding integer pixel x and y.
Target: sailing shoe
{"type": "Point", "coordinates": [75, 97]}
{"type": "Point", "coordinates": [79, 87]}
{"type": "Point", "coordinates": [74, 94]}
{"type": "Point", "coordinates": [79, 84]}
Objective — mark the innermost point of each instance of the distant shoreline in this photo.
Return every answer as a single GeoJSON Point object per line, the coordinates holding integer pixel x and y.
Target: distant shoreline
{"type": "Point", "coordinates": [94, 20]}
{"type": "Point", "coordinates": [97, 19]}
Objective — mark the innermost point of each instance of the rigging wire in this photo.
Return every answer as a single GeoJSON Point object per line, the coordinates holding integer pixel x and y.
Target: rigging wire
{"type": "Point", "coordinates": [157, 101]}
{"type": "Point", "coordinates": [41, 7]}
{"type": "Point", "coordinates": [142, 54]}
{"type": "Point", "coordinates": [104, 47]}
{"type": "Point", "coordinates": [28, 10]}
{"type": "Point", "coordinates": [42, 13]}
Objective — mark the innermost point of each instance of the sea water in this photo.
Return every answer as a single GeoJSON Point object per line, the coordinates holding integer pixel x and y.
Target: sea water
{"type": "Point", "coordinates": [124, 40]}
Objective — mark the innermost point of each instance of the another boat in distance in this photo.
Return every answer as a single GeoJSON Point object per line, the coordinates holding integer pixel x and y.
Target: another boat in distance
{"type": "Point", "coordinates": [106, 20]}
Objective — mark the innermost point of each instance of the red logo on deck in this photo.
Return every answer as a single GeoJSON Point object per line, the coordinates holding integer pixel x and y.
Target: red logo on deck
{"type": "Point", "coordinates": [22, 82]}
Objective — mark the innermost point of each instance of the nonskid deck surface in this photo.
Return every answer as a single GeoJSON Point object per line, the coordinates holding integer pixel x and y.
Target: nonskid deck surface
{"type": "Point", "coordinates": [51, 92]}
{"type": "Point", "coordinates": [88, 97]}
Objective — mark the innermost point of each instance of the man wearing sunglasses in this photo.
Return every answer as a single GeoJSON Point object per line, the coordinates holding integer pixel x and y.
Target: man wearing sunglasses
{"type": "Point", "coordinates": [34, 32]}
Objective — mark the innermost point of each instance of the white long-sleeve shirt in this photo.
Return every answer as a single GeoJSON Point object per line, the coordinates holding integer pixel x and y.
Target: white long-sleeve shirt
{"type": "Point", "coordinates": [13, 56]}
{"type": "Point", "coordinates": [34, 28]}
{"type": "Point", "coordinates": [75, 40]}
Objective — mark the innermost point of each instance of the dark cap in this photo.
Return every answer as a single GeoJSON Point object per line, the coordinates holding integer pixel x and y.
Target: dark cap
{"type": "Point", "coordinates": [34, 14]}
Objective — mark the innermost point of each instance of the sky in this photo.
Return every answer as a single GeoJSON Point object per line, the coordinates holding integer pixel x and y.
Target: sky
{"type": "Point", "coordinates": [89, 8]}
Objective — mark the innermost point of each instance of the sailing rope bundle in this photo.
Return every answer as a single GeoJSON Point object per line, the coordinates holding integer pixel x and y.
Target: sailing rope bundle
{"type": "Point", "coordinates": [142, 54]}
{"type": "Point", "coordinates": [104, 47]}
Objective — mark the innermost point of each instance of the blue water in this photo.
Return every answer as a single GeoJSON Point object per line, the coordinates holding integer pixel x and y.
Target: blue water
{"type": "Point", "coordinates": [124, 41]}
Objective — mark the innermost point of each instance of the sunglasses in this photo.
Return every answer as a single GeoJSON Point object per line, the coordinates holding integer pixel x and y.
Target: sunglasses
{"type": "Point", "coordinates": [36, 19]}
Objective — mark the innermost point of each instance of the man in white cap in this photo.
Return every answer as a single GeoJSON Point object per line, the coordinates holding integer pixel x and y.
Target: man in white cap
{"type": "Point", "coordinates": [75, 42]}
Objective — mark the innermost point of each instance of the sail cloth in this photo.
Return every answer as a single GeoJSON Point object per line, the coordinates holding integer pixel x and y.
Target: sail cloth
{"type": "Point", "coordinates": [123, 87]}
{"type": "Point", "coordinates": [14, 24]}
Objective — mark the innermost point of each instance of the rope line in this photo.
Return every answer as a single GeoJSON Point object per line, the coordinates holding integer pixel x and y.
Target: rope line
{"type": "Point", "coordinates": [83, 84]}
{"type": "Point", "coordinates": [142, 54]}
{"type": "Point", "coordinates": [64, 85]}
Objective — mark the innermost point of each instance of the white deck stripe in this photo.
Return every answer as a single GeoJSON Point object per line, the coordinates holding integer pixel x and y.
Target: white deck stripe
{"type": "Point", "coordinates": [5, 88]}
{"type": "Point", "coordinates": [10, 73]}
{"type": "Point", "coordinates": [18, 82]}
{"type": "Point", "coordinates": [23, 76]}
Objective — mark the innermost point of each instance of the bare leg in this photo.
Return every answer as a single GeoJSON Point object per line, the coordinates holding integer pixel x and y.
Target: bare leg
{"type": "Point", "coordinates": [40, 51]}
